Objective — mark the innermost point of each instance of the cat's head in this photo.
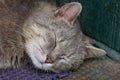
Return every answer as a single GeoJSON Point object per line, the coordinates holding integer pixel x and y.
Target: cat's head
{"type": "Point", "coordinates": [53, 43]}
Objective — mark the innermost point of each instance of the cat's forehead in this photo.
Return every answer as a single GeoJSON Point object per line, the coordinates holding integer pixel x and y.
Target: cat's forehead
{"type": "Point", "coordinates": [60, 22]}
{"type": "Point", "coordinates": [50, 19]}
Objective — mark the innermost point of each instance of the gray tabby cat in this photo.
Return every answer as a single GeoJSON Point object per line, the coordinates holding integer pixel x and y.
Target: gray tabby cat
{"type": "Point", "coordinates": [53, 41]}
{"type": "Point", "coordinates": [51, 37]}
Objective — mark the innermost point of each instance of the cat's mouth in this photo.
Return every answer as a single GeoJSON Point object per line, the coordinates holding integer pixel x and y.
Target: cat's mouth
{"type": "Point", "coordinates": [48, 60]}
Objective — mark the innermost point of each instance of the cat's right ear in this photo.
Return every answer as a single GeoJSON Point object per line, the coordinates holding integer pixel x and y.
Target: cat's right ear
{"type": "Point", "coordinates": [93, 52]}
{"type": "Point", "coordinates": [69, 11]}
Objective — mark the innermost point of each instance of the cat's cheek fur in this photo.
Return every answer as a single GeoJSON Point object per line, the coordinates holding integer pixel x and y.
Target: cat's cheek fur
{"type": "Point", "coordinates": [33, 51]}
{"type": "Point", "coordinates": [37, 58]}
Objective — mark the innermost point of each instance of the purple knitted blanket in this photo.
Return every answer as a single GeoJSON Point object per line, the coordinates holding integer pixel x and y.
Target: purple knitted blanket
{"type": "Point", "coordinates": [30, 73]}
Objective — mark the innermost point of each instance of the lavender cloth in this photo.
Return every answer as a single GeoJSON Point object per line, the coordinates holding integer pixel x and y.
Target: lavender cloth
{"type": "Point", "coordinates": [30, 73]}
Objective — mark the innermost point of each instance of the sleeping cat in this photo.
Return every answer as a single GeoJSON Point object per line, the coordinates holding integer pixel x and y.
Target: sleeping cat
{"type": "Point", "coordinates": [52, 35]}
{"type": "Point", "coordinates": [52, 38]}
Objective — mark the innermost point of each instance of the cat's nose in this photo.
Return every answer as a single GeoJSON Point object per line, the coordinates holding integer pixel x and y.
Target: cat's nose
{"type": "Point", "coordinates": [48, 59]}
{"type": "Point", "coordinates": [51, 58]}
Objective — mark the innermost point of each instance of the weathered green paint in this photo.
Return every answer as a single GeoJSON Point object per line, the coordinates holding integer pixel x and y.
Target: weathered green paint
{"type": "Point", "coordinates": [100, 19]}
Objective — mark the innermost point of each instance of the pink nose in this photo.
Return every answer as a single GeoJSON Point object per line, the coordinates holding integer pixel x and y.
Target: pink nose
{"type": "Point", "coordinates": [48, 60]}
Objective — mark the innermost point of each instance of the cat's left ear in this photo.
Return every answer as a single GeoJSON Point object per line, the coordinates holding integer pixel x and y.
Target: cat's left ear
{"type": "Point", "coordinates": [69, 11]}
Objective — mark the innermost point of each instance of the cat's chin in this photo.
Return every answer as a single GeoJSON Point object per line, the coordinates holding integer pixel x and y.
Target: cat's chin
{"type": "Point", "coordinates": [43, 66]}
{"type": "Point", "coordinates": [47, 66]}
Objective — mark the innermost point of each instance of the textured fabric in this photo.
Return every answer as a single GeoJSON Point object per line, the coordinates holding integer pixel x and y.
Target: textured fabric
{"type": "Point", "coordinates": [96, 69]}
{"type": "Point", "coordinates": [92, 69]}
{"type": "Point", "coordinates": [29, 72]}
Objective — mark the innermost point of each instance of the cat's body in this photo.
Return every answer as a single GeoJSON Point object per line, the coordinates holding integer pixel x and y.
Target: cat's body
{"type": "Point", "coordinates": [50, 33]}
{"type": "Point", "coordinates": [12, 16]}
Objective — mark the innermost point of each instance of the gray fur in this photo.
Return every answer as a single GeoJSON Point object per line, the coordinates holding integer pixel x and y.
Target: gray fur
{"type": "Point", "coordinates": [63, 42]}
{"type": "Point", "coordinates": [31, 27]}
